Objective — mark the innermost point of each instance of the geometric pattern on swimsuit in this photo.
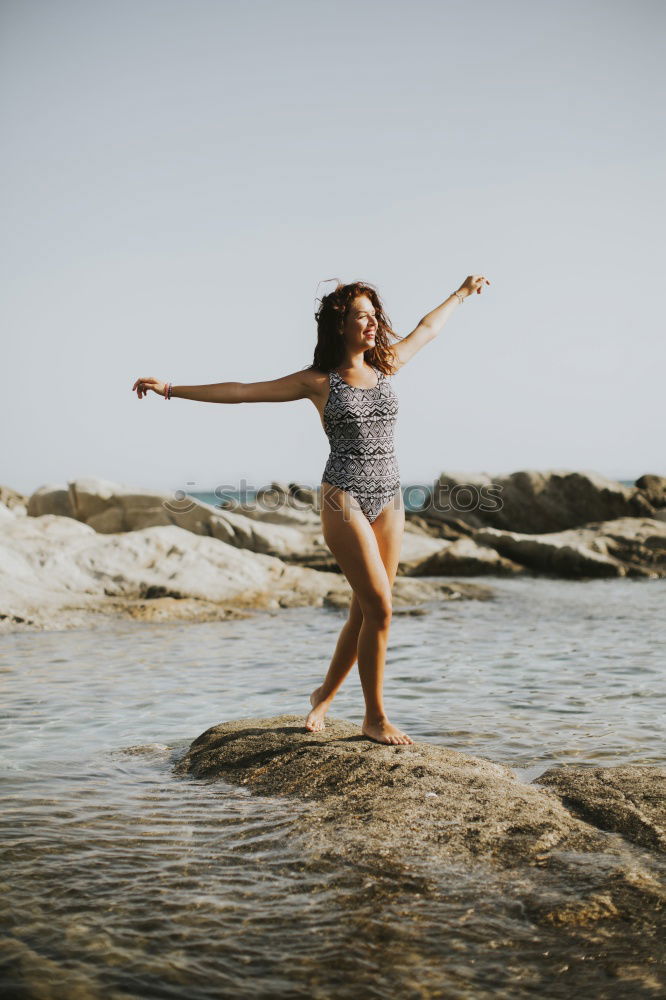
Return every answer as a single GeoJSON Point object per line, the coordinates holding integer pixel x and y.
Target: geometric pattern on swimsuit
{"type": "Point", "coordinates": [359, 425]}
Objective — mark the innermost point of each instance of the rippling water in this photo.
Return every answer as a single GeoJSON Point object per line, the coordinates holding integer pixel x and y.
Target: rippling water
{"type": "Point", "coordinates": [120, 879]}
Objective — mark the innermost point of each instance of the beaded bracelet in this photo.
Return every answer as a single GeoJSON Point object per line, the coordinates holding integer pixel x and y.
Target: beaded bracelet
{"type": "Point", "coordinates": [168, 390]}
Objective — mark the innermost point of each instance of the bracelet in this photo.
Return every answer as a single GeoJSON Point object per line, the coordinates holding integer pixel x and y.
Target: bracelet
{"type": "Point", "coordinates": [168, 390]}
{"type": "Point", "coordinates": [460, 298]}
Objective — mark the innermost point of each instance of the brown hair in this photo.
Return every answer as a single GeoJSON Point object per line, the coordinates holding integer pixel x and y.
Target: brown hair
{"type": "Point", "coordinates": [330, 317]}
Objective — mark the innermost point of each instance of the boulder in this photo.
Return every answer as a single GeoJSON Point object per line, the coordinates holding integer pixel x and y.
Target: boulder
{"type": "Point", "coordinates": [634, 547]}
{"type": "Point", "coordinates": [654, 489]}
{"type": "Point", "coordinates": [463, 806]}
{"type": "Point", "coordinates": [55, 570]}
{"type": "Point", "coordinates": [110, 508]}
{"type": "Point", "coordinates": [534, 502]}
{"type": "Point", "coordinates": [464, 557]}
{"type": "Point", "coordinates": [389, 810]}
{"type": "Point", "coordinates": [50, 499]}
{"type": "Point", "coordinates": [417, 548]}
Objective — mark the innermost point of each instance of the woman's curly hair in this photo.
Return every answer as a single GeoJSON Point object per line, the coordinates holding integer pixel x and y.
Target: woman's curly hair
{"type": "Point", "coordinates": [330, 317]}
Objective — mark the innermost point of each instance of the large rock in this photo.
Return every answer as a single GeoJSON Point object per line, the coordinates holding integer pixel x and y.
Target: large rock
{"type": "Point", "coordinates": [282, 523]}
{"type": "Point", "coordinates": [654, 489]}
{"type": "Point", "coordinates": [50, 499]}
{"type": "Point", "coordinates": [394, 808]}
{"type": "Point", "coordinates": [462, 805]}
{"type": "Point", "coordinates": [464, 557]}
{"type": "Point", "coordinates": [625, 547]}
{"type": "Point", "coordinates": [54, 567]}
{"type": "Point", "coordinates": [54, 570]}
{"type": "Point", "coordinates": [534, 502]}
{"type": "Point", "coordinates": [110, 508]}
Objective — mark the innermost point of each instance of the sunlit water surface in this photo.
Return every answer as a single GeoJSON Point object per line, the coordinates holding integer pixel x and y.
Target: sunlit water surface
{"type": "Point", "coordinates": [120, 879]}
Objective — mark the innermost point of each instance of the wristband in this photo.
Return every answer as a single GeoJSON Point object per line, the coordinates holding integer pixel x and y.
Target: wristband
{"type": "Point", "coordinates": [167, 391]}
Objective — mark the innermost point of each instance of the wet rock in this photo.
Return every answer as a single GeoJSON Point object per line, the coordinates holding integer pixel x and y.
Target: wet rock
{"type": "Point", "coordinates": [380, 808]}
{"type": "Point", "coordinates": [630, 800]}
{"type": "Point", "coordinates": [461, 805]}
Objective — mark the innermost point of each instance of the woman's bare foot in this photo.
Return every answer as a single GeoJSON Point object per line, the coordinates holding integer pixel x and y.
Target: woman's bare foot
{"type": "Point", "coordinates": [320, 706]}
{"type": "Point", "coordinates": [384, 732]}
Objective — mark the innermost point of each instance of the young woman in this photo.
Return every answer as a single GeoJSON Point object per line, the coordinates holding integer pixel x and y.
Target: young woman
{"type": "Point", "coordinates": [362, 511]}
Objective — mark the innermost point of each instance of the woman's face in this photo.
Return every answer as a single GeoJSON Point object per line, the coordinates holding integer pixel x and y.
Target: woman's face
{"type": "Point", "coordinates": [361, 323]}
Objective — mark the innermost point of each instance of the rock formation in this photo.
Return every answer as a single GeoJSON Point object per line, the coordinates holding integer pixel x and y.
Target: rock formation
{"type": "Point", "coordinates": [373, 804]}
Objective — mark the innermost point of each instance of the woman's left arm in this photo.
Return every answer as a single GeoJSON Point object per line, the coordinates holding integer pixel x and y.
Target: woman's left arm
{"type": "Point", "coordinates": [431, 324]}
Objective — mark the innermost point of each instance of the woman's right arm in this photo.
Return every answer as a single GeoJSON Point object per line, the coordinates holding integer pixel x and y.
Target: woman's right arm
{"type": "Point", "coordinates": [298, 385]}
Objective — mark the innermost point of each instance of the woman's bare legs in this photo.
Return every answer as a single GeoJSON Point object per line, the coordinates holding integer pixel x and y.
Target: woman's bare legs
{"type": "Point", "coordinates": [368, 555]}
{"type": "Point", "coordinates": [344, 658]}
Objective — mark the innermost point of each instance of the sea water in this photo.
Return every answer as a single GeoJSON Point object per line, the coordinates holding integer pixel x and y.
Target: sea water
{"type": "Point", "coordinates": [120, 879]}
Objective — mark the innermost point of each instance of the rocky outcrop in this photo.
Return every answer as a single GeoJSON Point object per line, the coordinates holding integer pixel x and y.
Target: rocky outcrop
{"type": "Point", "coordinates": [376, 805]}
{"type": "Point", "coordinates": [534, 502]}
{"type": "Point", "coordinates": [633, 547]}
{"type": "Point", "coordinates": [285, 523]}
{"type": "Point", "coordinates": [462, 806]}
{"type": "Point", "coordinates": [110, 508]}
{"type": "Point", "coordinates": [57, 572]}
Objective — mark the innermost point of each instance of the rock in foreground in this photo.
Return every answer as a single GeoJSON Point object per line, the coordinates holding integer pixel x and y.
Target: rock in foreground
{"type": "Point", "coordinates": [462, 805]}
{"type": "Point", "coordinates": [384, 808]}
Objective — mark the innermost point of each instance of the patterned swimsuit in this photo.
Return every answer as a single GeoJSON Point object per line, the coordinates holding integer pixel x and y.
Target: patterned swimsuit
{"type": "Point", "coordinates": [359, 425]}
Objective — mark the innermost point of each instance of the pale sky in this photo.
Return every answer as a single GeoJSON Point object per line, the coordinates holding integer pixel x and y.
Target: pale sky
{"type": "Point", "coordinates": [178, 176]}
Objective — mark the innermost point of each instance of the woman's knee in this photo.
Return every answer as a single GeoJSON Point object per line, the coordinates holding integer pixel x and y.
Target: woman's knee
{"type": "Point", "coordinates": [378, 609]}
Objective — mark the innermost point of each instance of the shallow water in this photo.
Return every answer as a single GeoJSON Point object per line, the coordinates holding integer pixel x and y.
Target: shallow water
{"type": "Point", "coordinates": [120, 879]}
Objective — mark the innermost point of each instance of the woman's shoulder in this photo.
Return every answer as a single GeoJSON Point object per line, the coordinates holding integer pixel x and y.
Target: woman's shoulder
{"type": "Point", "coordinates": [314, 376]}
{"type": "Point", "coordinates": [315, 380]}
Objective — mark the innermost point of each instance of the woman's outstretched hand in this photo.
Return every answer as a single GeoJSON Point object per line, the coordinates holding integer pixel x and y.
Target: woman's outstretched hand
{"type": "Point", "coordinates": [142, 385]}
{"type": "Point", "coordinates": [474, 283]}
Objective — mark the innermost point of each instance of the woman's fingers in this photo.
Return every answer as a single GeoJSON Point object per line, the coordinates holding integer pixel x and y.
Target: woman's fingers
{"type": "Point", "coordinates": [142, 385]}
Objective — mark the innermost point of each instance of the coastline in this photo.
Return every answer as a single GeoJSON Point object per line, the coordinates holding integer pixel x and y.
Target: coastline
{"type": "Point", "coordinates": [71, 554]}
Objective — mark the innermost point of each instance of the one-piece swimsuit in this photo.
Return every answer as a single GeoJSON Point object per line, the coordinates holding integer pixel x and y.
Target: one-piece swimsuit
{"type": "Point", "coordinates": [359, 424]}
